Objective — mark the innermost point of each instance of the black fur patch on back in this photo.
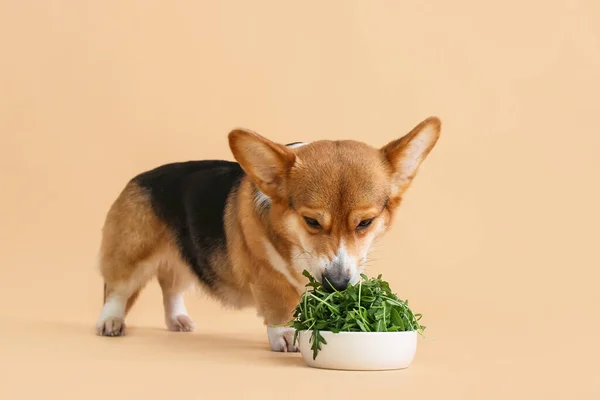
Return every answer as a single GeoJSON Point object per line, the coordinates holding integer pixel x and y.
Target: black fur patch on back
{"type": "Point", "coordinates": [190, 197]}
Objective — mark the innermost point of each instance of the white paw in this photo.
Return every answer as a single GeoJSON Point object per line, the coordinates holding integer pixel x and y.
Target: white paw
{"type": "Point", "coordinates": [111, 326]}
{"type": "Point", "coordinates": [181, 323]}
{"type": "Point", "coordinates": [282, 339]}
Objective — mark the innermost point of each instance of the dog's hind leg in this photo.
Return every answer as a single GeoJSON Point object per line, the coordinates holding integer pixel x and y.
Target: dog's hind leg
{"type": "Point", "coordinates": [131, 237]}
{"type": "Point", "coordinates": [174, 281]}
{"type": "Point", "coordinates": [119, 298]}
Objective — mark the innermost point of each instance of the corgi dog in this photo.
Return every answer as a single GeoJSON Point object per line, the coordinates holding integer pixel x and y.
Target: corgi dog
{"type": "Point", "coordinates": [245, 231]}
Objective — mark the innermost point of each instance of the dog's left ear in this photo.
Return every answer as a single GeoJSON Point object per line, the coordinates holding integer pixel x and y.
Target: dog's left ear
{"type": "Point", "coordinates": [406, 154]}
{"type": "Point", "coordinates": [267, 163]}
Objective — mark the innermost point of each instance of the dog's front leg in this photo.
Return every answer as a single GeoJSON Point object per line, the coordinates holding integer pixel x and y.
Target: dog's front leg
{"type": "Point", "coordinates": [281, 338]}
{"type": "Point", "coordinates": [276, 304]}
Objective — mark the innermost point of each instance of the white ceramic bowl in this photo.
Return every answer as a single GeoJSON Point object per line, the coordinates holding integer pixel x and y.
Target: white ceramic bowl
{"type": "Point", "coordinates": [361, 351]}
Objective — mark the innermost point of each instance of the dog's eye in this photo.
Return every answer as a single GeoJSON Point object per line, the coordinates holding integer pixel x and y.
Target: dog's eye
{"type": "Point", "coordinates": [364, 223]}
{"type": "Point", "coordinates": [313, 223]}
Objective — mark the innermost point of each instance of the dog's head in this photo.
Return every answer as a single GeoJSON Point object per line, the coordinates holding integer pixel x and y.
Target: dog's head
{"type": "Point", "coordinates": [331, 199]}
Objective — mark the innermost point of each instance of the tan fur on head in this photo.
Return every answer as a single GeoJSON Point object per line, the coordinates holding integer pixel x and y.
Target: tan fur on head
{"type": "Point", "coordinates": [331, 199]}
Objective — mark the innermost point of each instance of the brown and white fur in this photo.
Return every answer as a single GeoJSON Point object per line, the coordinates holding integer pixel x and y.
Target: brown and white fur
{"type": "Point", "coordinates": [245, 231]}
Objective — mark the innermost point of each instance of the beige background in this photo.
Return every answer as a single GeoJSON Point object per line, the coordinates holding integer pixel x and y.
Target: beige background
{"type": "Point", "coordinates": [495, 244]}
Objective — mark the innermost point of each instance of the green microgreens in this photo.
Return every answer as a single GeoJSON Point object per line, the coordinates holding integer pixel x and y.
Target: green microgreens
{"type": "Point", "coordinates": [367, 306]}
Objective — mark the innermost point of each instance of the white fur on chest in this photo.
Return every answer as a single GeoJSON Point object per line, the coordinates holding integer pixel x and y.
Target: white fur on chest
{"type": "Point", "coordinates": [296, 145]}
{"type": "Point", "coordinates": [280, 265]}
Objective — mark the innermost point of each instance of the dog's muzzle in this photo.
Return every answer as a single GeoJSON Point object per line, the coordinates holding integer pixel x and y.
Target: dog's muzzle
{"type": "Point", "coordinates": [334, 277]}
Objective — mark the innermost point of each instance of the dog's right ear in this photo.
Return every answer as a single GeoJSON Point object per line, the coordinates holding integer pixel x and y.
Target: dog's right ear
{"type": "Point", "coordinates": [267, 163]}
{"type": "Point", "coordinates": [406, 154]}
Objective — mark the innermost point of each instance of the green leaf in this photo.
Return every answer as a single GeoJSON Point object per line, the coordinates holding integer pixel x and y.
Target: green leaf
{"type": "Point", "coordinates": [361, 325]}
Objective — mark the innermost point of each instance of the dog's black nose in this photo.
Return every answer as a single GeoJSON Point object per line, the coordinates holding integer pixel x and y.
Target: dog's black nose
{"type": "Point", "coordinates": [335, 281]}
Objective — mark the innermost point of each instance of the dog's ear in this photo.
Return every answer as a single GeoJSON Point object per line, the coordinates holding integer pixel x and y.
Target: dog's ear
{"type": "Point", "coordinates": [266, 163]}
{"type": "Point", "coordinates": [406, 154]}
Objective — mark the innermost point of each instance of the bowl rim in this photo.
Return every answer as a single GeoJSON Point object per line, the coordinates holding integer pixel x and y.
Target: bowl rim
{"type": "Point", "coordinates": [363, 333]}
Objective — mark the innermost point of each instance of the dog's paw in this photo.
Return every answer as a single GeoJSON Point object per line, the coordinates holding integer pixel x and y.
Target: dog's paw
{"type": "Point", "coordinates": [181, 323]}
{"type": "Point", "coordinates": [282, 339]}
{"type": "Point", "coordinates": [112, 326]}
